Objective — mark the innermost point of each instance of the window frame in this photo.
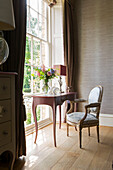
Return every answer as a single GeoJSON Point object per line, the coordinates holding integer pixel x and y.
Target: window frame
{"type": "Point", "coordinates": [51, 61]}
{"type": "Point", "coordinates": [30, 127]}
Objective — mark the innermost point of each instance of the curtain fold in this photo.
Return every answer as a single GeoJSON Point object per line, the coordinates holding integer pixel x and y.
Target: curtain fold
{"type": "Point", "coordinates": [70, 36]}
{"type": "Point", "coordinates": [71, 3]}
{"type": "Point", "coordinates": [17, 40]}
{"type": "Point", "coordinates": [70, 44]}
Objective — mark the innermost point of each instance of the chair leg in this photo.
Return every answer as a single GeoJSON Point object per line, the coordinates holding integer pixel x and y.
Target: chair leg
{"type": "Point", "coordinates": [67, 129]}
{"type": "Point", "coordinates": [98, 133]}
{"type": "Point", "coordinates": [80, 136]}
{"type": "Point", "coordinates": [89, 131]}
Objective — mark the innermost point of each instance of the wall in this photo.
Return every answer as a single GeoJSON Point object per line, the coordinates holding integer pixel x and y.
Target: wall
{"type": "Point", "coordinates": [95, 59]}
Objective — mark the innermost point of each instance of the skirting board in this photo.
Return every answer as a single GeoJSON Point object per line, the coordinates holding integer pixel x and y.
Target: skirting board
{"type": "Point", "coordinates": [106, 120]}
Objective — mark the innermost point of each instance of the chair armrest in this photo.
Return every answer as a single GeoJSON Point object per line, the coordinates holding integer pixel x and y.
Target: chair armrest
{"type": "Point", "coordinates": [78, 100]}
{"type": "Point", "coordinates": [71, 108]}
{"type": "Point", "coordinates": [89, 106]}
{"type": "Point", "coordinates": [75, 101]}
{"type": "Point", "coordinates": [93, 105]}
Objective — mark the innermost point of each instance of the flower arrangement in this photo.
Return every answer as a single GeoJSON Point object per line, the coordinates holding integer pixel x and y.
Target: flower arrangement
{"type": "Point", "coordinates": [45, 75]}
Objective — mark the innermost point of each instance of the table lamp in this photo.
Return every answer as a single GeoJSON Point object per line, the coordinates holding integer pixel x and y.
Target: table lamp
{"type": "Point", "coordinates": [6, 23]}
{"type": "Point", "coordinates": [61, 71]}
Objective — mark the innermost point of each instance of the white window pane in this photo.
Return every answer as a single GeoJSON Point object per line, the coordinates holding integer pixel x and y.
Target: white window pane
{"type": "Point", "coordinates": [34, 4]}
{"type": "Point", "coordinates": [44, 53]}
{"type": "Point", "coordinates": [42, 28]}
{"type": "Point", "coordinates": [42, 8]}
{"type": "Point", "coordinates": [28, 19]}
{"type": "Point", "coordinates": [33, 22]}
{"type": "Point", "coordinates": [36, 52]}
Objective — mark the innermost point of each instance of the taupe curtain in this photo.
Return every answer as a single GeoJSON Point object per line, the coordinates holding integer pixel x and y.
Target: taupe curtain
{"type": "Point", "coordinates": [70, 43]}
{"type": "Point", "coordinates": [16, 40]}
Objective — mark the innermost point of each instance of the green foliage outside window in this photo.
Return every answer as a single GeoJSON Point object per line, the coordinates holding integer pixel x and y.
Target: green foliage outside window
{"type": "Point", "coordinates": [27, 67]}
{"type": "Point", "coordinates": [38, 113]}
{"type": "Point", "coordinates": [28, 121]}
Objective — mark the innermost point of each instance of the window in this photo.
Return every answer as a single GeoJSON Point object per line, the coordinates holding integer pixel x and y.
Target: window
{"type": "Point", "coordinates": [36, 53]}
{"type": "Point", "coordinates": [38, 44]}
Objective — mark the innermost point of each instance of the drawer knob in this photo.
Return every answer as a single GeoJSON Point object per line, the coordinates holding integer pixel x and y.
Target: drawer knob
{"type": "Point", "coordinates": [4, 87]}
{"type": "Point", "coordinates": [2, 110]}
{"type": "Point", "coordinates": [5, 133]}
{"type": "Point", "coordinates": [1, 116]}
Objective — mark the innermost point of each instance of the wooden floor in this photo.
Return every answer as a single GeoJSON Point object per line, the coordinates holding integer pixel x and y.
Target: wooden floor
{"type": "Point", "coordinates": [67, 155]}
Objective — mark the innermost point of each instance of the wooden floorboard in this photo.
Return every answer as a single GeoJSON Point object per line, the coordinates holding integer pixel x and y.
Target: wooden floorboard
{"type": "Point", "coordinates": [67, 155]}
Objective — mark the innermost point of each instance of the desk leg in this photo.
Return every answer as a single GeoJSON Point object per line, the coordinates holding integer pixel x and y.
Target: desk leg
{"type": "Point", "coordinates": [54, 124]}
{"type": "Point", "coordinates": [59, 116]}
{"type": "Point", "coordinates": [35, 119]}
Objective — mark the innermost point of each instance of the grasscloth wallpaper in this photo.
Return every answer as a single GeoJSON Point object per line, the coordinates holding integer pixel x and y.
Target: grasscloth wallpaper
{"type": "Point", "coordinates": [95, 42]}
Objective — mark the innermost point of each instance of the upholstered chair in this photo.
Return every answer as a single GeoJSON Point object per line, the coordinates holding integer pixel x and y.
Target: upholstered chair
{"type": "Point", "coordinates": [90, 116]}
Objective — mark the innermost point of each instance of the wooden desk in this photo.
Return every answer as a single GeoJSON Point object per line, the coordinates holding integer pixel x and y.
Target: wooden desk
{"type": "Point", "coordinates": [53, 101]}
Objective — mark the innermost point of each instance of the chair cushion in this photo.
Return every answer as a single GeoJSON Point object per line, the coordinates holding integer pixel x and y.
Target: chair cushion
{"type": "Point", "coordinates": [75, 117]}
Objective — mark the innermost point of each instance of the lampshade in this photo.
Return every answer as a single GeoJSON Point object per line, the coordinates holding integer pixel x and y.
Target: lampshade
{"type": "Point", "coordinates": [61, 69]}
{"type": "Point", "coordinates": [6, 15]}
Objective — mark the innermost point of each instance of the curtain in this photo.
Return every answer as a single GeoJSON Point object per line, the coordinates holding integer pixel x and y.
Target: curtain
{"type": "Point", "coordinates": [15, 63]}
{"type": "Point", "coordinates": [70, 45]}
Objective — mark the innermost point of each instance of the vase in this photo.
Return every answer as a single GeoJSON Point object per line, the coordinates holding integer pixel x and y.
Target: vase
{"type": "Point", "coordinates": [45, 87]}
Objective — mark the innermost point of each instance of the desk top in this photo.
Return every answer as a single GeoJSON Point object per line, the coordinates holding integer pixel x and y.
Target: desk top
{"type": "Point", "coordinates": [53, 96]}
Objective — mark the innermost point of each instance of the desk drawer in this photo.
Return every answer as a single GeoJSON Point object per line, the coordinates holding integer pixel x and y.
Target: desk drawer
{"type": "Point", "coordinates": [5, 111]}
{"type": "Point", "coordinates": [5, 133]}
{"type": "Point", "coordinates": [4, 88]}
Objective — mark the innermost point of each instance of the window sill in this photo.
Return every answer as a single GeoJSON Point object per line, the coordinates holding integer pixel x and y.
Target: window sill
{"type": "Point", "coordinates": [29, 129]}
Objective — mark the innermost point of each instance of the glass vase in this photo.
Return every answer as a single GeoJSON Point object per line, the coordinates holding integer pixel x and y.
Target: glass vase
{"type": "Point", "coordinates": [45, 87]}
